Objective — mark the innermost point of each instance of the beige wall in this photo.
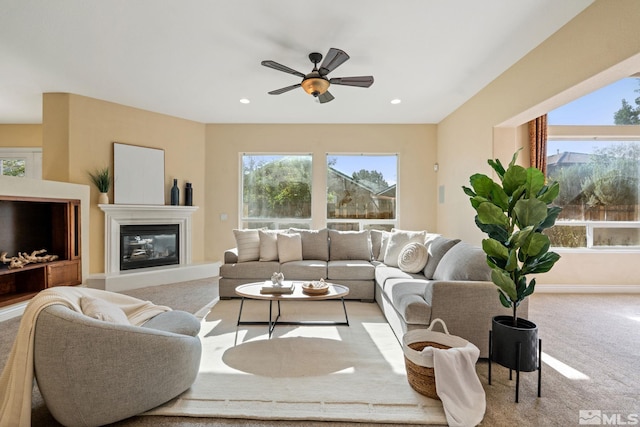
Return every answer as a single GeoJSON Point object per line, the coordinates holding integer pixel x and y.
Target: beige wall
{"type": "Point", "coordinates": [596, 48]}
{"type": "Point", "coordinates": [415, 144]}
{"type": "Point", "coordinates": [21, 136]}
{"type": "Point", "coordinates": [78, 137]}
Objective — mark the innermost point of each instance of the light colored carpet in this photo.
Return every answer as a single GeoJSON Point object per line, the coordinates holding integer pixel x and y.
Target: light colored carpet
{"type": "Point", "coordinates": [336, 373]}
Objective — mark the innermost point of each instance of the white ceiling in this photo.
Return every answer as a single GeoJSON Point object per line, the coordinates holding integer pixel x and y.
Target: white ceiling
{"type": "Point", "coordinates": [196, 59]}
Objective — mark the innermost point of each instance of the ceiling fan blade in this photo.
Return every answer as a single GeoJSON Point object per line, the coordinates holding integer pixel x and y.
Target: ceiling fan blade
{"type": "Point", "coordinates": [280, 67]}
{"type": "Point", "coordinates": [325, 97]}
{"type": "Point", "coordinates": [335, 58]}
{"type": "Point", "coordinates": [284, 89]}
{"type": "Point", "coordinates": [360, 81]}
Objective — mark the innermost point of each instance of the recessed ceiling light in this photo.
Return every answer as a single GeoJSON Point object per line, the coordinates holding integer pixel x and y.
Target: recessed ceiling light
{"type": "Point", "coordinates": [396, 101]}
{"type": "Point", "coordinates": [244, 101]}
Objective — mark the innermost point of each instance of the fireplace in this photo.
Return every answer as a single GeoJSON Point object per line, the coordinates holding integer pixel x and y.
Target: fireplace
{"type": "Point", "coordinates": [149, 245]}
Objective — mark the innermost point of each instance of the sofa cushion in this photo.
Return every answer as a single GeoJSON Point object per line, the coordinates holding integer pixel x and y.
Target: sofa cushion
{"type": "Point", "coordinates": [248, 244]}
{"type": "Point", "coordinates": [384, 273]}
{"type": "Point", "coordinates": [347, 245]}
{"type": "Point", "coordinates": [398, 240]}
{"type": "Point", "coordinates": [268, 245]}
{"type": "Point", "coordinates": [408, 300]}
{"type": "Point", "coordinates": [413, 257]}
{"type": "Point", "coordinates": [350, 270]}
{"type": "Point", "coordinates": [463, 262]}
{"type": "Point", "coordinates": [175, 321]}
{"type": "Point", "coordinates": [315, 243]}
{"type": "Point", "coordinates": [252, 270]}
{"type": "Point", "coordinates": [289, 247]}
{"type": "Point", "coordinates": [437, 247]}
{"type": "Point", "coordinates": [384, 242]}
{"type": "Point", "coordinates": [103, 310]}
{"type": "Point", "coordinates": [304, 270]}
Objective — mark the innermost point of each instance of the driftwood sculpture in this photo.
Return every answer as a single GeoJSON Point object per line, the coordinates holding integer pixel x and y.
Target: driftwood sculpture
{"type": "Point", "coordinates": [24, 258]}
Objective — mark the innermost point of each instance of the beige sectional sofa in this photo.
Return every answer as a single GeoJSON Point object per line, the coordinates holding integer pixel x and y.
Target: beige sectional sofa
{"type": "Point", "coordinates": [454, 284]}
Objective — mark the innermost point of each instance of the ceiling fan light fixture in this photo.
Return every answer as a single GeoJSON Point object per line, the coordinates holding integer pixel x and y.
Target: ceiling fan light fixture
{"type": "Point", "coordinates": [315, 86]}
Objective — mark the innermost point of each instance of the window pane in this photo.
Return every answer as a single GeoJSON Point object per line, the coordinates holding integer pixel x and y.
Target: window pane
{"type": "Point", "coordinates": [567, 236]}
{"type": "Point", "coordinates": [12, 167]}
{"type": "Point", "coordinates": [361, 187]}
{"type": "Point", "coordinates": [616, 237]}
{"type": "Point", "coordinates": [275, 187]}
{"type": "Point", "coordinates": [599, 180]}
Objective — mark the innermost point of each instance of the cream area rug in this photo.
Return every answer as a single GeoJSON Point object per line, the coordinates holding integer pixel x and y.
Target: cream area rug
{"type": "Point", "coordinates": [331, 373]}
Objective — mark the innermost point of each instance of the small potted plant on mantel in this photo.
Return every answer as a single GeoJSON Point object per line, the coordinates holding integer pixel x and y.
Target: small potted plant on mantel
{"type": "Point", "coordinates": [101, 178]}
{"type": "Point", "coordinates": [513, 215]}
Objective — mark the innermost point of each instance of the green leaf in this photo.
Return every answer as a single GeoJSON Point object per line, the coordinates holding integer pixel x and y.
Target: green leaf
{"type": "Point", "coordinates": [499, 197]}
{"type": "Point", "coordinates": [529, 289]}
{"type": "Point", "coordinates": [515, 196]}
{"type": "Point", "coordinates": [475, 201]}
{"type": "Point", "coordinates": [497, 166]}
{"type": "Point", "coordinates": [550, 221]}
{"type": "Point", "coordinates": [504, 282]}
{"type": "Point", "coordinates": [469, 192]}
{"type": "Point", "coordinates": [488, 213]}
{"type": "Point", "coordinates": [536, 244]}
{"type": "Point", "coordinates": [535, 182]}
{"type": "Point", "coordinates": [495, 249]}
{"type": "Point", "coordinates": [550, 192]}
{"type": "Point", "coordinates": [482, 184]}
{"type": "Point", "coordinates": [512, 262]}
{"type": "Point", "coordinates": [530, 212]}
{"type": "Point", "coordinates": [497, 232]}
{"type": "Point", "coordinates": [515, 157]}
{"type": "Point", "coordinates": [519, 237]}
{"type": "Point", "coordinates": [541, 264]}
{"type": "Point", "coordinates": [514, 177]}
{"type": "Point", "coordinates": [504, 300]}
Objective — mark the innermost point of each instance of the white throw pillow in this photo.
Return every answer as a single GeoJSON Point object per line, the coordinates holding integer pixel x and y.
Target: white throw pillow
{"type": "Point", "coordinates": [413, 257]}
{"type": "Point", "coordinates": [248, 244]}
{"type": "Point", "coordinates": [398, 240]}
{"type": "Point", "coordinates": [384, 242]}
{"type": "Point", "coordinates": [289, 247]}
{"type": "Point", "coordinates": [103, 310]}
{"type": "Point", "coordinates": [268, 245]}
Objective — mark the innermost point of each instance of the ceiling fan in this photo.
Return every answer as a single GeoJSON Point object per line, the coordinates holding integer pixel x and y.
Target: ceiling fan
{"type": "Point", "coordinates": [316, 82]}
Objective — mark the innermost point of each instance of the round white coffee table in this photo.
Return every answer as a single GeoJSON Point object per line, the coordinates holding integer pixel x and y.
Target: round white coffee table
{"type": "Point", "coordinates": [253, 291]}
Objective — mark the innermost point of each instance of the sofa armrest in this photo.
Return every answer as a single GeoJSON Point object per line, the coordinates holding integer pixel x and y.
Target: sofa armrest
{"type": "Point", "coordinates": [467, 308]}
{"type": "Point", "coordinates": [231, 256]}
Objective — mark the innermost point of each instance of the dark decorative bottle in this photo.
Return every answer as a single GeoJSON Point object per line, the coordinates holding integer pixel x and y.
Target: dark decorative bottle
{"type": "Point", "coordinates": [175, 193]}
{"type": "Point", "coordinates": [188, 195]}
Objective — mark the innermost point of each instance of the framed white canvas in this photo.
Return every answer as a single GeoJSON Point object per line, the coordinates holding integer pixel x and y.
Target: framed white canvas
{"type": "Point", "coordinates": [138, 177]}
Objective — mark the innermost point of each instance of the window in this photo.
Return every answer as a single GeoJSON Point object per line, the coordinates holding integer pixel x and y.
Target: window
{"type": "Point", "coordinates": [361, 191]}
{"type": "Point", "coordinates": [599, 192]}
{"type": "Point", "coordinates": [21, 162]}
{"type": "Point", "coordinates": [597, 164]}
{"type": "Point", "coordinates": [276, 191]}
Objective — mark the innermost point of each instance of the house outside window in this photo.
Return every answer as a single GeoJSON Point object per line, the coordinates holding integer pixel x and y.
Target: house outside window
{"type": "Point", "coordinates": [362, 191]}
{"type": "Point", "coordinates": [276, 190]}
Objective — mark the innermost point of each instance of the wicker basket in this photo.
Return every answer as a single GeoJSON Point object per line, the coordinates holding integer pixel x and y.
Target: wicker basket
{"type": "Point", "coordinates": [420, 372]}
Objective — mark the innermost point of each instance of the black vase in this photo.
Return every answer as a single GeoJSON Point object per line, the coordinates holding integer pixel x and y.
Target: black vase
{"type": "Point", "coordinates": [504, 343]}
{"type": "Point", "coordinates": [188, 195]}
{"type": "Point", "coordinates": [175, 193]}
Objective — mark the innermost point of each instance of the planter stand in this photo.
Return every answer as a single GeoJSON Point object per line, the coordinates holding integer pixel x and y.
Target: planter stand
{"type": "Point", "coordinates": [517, 364]}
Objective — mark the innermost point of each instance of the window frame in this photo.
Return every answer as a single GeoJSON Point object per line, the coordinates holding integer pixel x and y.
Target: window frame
{"type": "Point", "coordinates": [32, 157]}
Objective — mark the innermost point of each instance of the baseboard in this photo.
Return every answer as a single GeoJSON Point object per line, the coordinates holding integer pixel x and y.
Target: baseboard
{"type": "Point", "coordinates": [587, 289]}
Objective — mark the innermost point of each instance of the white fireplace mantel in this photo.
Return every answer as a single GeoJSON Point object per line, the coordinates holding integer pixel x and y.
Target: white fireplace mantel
{"type": "Point", "coordinates": [117, 215]}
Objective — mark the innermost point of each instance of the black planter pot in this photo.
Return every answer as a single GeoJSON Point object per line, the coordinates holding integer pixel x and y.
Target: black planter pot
{"type": "Point", "coordinates": [504, 343]}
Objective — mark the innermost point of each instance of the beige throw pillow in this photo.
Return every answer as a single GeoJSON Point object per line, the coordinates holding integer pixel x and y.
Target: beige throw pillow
{"type": "Point", "coordinates": [103, 310]}
{"type": "Point", "coordinates": [268, 245]}
{"type": "Point", "coordinates": [398, 240]}
{"type": "Point", "coordinates": [248, 244]}
{"type": "Point", "coordinates": [349, 245]}
{"type": "Point", "coordinates": [289, 247]}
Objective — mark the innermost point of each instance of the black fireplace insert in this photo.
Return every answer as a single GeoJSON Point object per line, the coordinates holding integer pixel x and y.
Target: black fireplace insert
{"type": "Point", "coordinates": [143, 246]}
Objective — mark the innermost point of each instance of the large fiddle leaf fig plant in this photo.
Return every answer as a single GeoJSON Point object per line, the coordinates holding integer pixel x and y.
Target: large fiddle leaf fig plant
{"type": "Point", "coordinates": [513, 214]}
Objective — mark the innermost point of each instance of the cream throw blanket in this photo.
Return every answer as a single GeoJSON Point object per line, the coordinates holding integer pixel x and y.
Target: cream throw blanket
{"type": "Point", "coordinates": [16, 381]}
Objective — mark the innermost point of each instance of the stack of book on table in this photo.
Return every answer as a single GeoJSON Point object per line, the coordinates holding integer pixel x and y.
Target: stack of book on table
{"type": "Point", "coordinates": [285, 288]}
